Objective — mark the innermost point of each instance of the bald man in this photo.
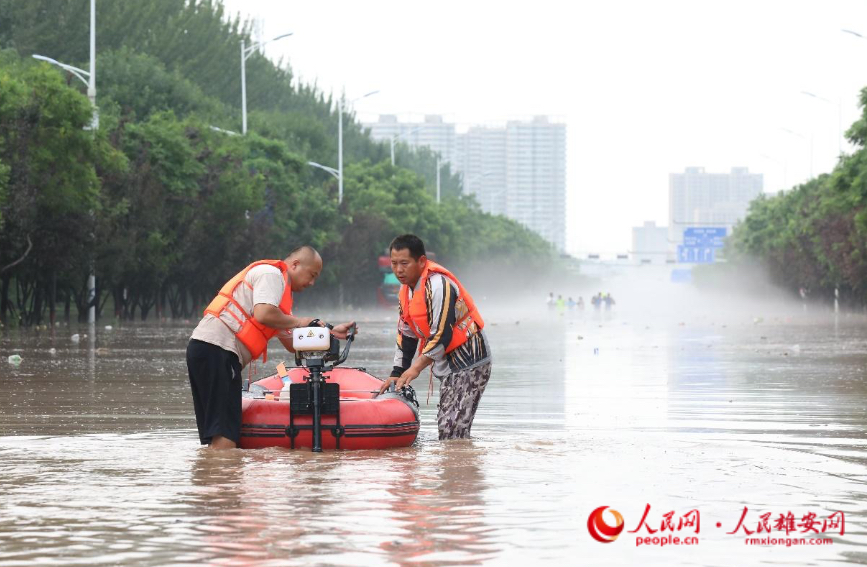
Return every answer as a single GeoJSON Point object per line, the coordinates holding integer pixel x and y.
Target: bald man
{"type": "Point", "coordinates": [253, 307]}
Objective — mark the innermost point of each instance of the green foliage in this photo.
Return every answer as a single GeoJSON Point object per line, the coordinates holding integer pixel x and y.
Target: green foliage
{"type": "Point", "coordinates": [164, 207]}
{"type": "Point", "coordinates": [815, 235]}
{"type": "Point", "coordinates": [135, 85]}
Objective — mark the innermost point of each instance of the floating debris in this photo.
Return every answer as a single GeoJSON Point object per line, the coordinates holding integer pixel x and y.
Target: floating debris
{"type": "Point", "coordinates": [75, 338]}
{"type": "Point", "coordinates": [15, 360]}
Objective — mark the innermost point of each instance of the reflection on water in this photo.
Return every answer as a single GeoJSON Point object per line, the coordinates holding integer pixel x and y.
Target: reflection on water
{"type": "Point", "coordinates": [100, 464]}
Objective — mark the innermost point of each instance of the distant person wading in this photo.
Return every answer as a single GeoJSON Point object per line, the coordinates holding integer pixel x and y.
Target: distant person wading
{"type": "Point", "coordinates": [438, 320]}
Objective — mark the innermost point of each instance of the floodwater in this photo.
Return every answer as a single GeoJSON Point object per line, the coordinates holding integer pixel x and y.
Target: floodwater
{"type": "Point", "coordinates": [699, 418]}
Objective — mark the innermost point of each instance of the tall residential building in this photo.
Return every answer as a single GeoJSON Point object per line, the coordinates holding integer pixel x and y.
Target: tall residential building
{"type": "Point", "coordinates": [649, 243]}
{"type": "Point", "coordinates": [699, 199]}
{"type": "Point", "coordinates": [482, 164]}
{"type": "Point", "coordinates": [518, 171]}
{"type": "Point", "coordinates": [536, 177]}
{"type": "Point", "coordinates": [437, 135]}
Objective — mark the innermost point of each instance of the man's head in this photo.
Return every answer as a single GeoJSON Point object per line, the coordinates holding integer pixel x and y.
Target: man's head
{"type": "Point", "coordinates": [408, 258]}
{"type": "Point", "coordinates": [305, 265]}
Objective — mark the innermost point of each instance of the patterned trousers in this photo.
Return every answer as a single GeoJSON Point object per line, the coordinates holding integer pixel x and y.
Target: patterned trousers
{"type": "Point", "coordinates": [460, 393]}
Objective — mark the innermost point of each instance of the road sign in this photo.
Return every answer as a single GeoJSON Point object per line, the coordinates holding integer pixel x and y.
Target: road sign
{"type": "Point", "coordinates": [704, 237]}
{"type": "Point", "coordinates": [696, 254]}
{"type": "Point", "coordinates": [700, 244]}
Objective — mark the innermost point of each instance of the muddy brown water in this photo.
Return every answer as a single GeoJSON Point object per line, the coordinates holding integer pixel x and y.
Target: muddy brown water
{"type": "Point", "coordinates": [100, 464]}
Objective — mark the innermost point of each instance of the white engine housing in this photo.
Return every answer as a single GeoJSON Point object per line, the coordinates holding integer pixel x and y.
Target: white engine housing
{"type": "Point", "coordinates": [306, 339]}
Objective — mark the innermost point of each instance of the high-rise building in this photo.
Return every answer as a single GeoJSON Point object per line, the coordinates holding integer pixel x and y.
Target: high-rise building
{"type": "Point", "coordinates": [437, 135]}
{"type": "Point", "coordinates": [697, 199]}
{"type": "Point", "coordinates": [483, 167]}
{"type": "Point", "coordinates": [536, 177]}
{"type": "Point", "coordinates": [518, 171]}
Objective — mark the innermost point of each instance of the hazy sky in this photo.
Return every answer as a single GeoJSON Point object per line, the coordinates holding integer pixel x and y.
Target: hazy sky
{"type": "Point", "coordinates": [645, 88]}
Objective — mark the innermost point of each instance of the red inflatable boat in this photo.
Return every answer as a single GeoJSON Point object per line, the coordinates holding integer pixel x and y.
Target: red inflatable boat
{"type": "Point", "coordinates": [348, 414]}
{"type": "Point", "coordinates": [363, 422]}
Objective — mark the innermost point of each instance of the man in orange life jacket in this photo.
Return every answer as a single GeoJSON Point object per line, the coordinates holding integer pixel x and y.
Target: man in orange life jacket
{"type": "Point", "coordinates": [439, 319]}
{"type": "Point", "coordinates": [250, 309]}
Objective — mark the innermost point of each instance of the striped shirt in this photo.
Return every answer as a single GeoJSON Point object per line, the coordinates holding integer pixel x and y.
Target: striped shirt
{"type": "Point", "coordinates": [441, 295]}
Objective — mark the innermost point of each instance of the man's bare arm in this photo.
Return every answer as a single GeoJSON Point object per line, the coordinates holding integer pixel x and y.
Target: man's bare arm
{"type": "Point", "coordinates": [271, 316]}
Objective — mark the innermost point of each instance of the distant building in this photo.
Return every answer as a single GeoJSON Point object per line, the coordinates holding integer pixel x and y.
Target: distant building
{"type": "Point", "coordinates": [700, 199]}
{"type": "Point", "coordinates": [518, 171]}
{"type": "Point", "coordinates": [483, 167]}
{"type": "Point", "coordinates": [437, 135]}
{"type": "Point", "coordinates": [536, 177]}
{"type": "Point", "coordinates": [650, 243]}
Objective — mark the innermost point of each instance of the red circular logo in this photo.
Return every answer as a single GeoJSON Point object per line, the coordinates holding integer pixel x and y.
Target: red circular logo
{"type": "Point", "coordinates": [599, 529]}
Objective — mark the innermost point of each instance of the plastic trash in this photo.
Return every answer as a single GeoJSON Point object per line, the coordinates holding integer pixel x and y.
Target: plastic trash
{"type": "Point", "coordinates": [15, 360]}
{"type": "Point", "coordinates": [75, 338]}
{"type": "Point", "coordinates": [108, 327]}
{"type": "Point", "coordinates": [52, 351]}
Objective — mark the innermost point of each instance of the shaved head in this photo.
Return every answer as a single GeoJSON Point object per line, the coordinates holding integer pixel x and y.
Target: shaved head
{"type": "Point", "coordinates": [305, 265]}
{"type": "Point", "coordinates": [305, 254]}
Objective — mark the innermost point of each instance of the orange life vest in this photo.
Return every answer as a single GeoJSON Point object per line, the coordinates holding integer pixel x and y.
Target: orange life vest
{"type": "Point", "coordinates": [414, 311]}
{"type": "Point", "coordinates": [252, 334]}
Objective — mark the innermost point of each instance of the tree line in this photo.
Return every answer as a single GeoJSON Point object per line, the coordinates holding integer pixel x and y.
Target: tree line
{"type": "Point", "coordinates": [814, 236]}
{"type": "Point", "coordinates": [163, 206]}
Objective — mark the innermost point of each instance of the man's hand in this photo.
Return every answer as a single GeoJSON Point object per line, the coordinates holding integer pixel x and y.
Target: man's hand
{"type": "Point", "coordinates": [386, 384]}
{"type": "Point", "coordinates": [342, 330]}
{"type": "Point", "coordinates": [404, 379]}
{"type": "Point", "coordinates": [306, 322]}
{"type": "Point", "coordinates": [408, 376]}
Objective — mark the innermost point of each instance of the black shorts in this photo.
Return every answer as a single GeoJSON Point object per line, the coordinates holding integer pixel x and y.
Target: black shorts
{"type": "Point", "coordinates": [215, 378]}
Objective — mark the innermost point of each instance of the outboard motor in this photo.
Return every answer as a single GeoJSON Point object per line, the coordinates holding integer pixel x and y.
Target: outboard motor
{"type": "Point", "coordinates": [315, 347]}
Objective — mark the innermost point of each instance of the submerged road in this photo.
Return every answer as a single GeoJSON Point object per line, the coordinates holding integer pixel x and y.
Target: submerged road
{"type": "Point", "coordinates": [715, 430]}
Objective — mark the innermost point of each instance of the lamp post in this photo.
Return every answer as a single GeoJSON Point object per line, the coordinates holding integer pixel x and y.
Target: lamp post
{"type": "Point", "coordinates": [330, 170]}
{"type": "Point", "coordinates": [246, 52]}
{"type": "Point", "coordinates": [439, 167]}
{"type": "Point", "coordinates": [778, 162]}
{"type": "Point", "coordinates": [473, 178]}
{"type": "Point", "coordinates": [89, 79]}
{"type": "Point", "coordinates": [340, 142]}
{"type": "Point", "coordinates": [396, 136]}
{"type": "Point", "coordinates": [786, 130]}
{"type": "Point", "coordinates": [839, 106]}
{"type": "Point", "coordinates": [438, 179]}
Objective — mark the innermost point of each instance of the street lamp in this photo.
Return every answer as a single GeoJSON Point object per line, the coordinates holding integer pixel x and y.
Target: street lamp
{"type": "Point", "coordinates": [438, 178]}
{"type": "Point", "coordinates": [778, 162]}
{"type": "Point", "coordinates": [786, 130]}
{"type": "Point", "coordinates": [223, 131]}
{"type": "Point", "coordinates": [439, 167]}
{"type": "Point", "coordinates": [340, 142]}
{"type": "Point", "coordinates": [246, 52]}
{"type": "Point", "coordinates": [839, 106]}
{"type": "Point", "coordinates": [330, 170]}
{"type": "Point", "coordinates": [473, 178]}
{"type": "Point", "coordinates": [90, 81]}
{"type": "Point", "coordinates": [396, 136]}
